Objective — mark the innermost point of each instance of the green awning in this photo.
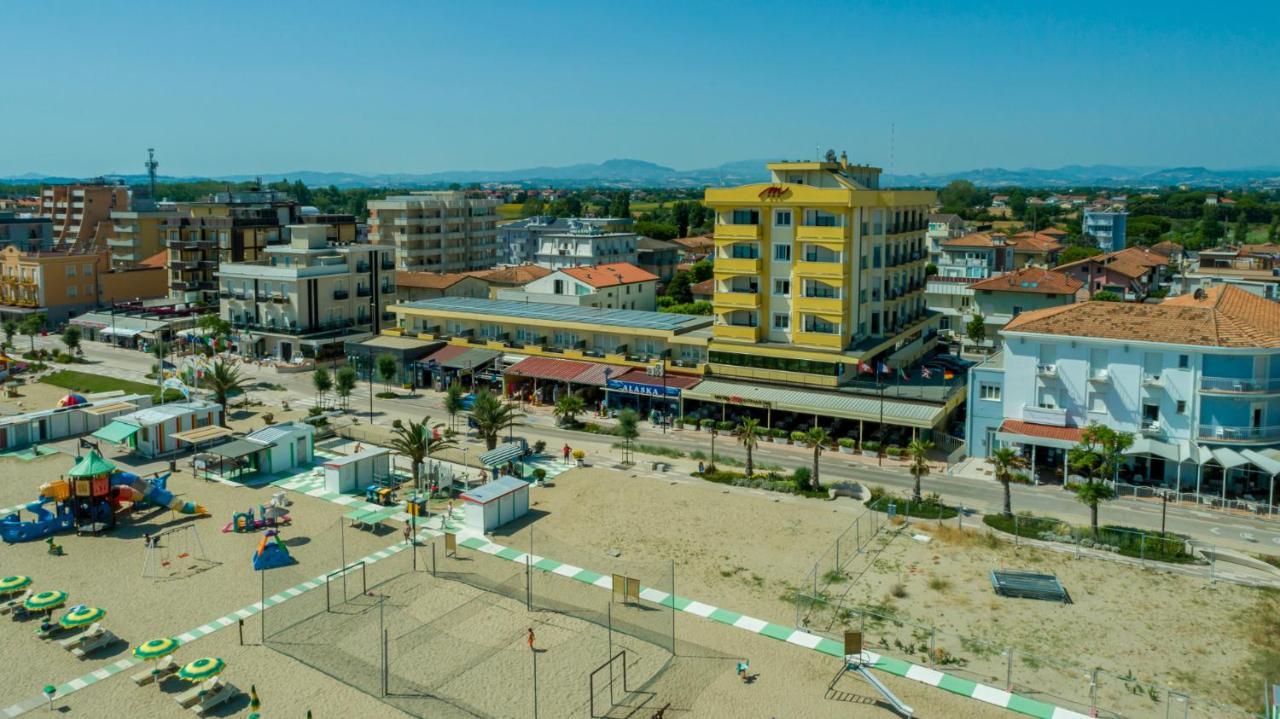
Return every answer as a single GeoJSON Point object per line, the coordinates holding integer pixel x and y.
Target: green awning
{"type": "Point", "coordinates": [92, 465]}
{"type": "Point", "coordinates": [502, 454]}
{"type": "Point", "coordinates": [116, 432]}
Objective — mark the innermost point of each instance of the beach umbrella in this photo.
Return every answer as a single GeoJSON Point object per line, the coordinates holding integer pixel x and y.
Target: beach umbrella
{"type": "Point", "coordinates": [202, 669]}
{"type": "Point", "coordinates": [15, 583]}
{"type": "Point", "coordinates": [156, 648]}
{"type": "Point", "coordinates": [81, 616]}
{"type": "Point", "coordinates": [45, 601]}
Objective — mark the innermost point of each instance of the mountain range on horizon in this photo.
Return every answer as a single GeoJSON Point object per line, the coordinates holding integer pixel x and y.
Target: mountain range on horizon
{"type": "Point", "coordinates": [628, 173]}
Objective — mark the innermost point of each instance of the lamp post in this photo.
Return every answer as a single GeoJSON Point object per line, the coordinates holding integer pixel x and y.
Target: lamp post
{"type": "Point", "coordinates": [370, 389]}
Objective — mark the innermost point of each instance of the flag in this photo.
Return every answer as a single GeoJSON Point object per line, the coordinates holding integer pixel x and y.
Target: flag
{"type": "Point", "coordinates": [865, 368]}
{"type": "Point", "coordinates": [948, 375]}
{"type": "Point", "coordinates": [924, 372]}
{"type": "Point", "coordinates": [902, 372]}
{"type": "Point", "coordinates": [884, 368]}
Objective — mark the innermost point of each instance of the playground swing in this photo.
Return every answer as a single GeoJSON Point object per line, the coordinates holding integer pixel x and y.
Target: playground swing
{"type": "Point", "coordinates": [174, 552]}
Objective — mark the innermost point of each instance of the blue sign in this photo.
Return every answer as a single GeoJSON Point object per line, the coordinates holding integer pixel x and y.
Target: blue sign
{"type": "Point", "coordinates": [649, 390]}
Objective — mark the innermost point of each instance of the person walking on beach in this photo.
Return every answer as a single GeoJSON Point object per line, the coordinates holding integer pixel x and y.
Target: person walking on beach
{"type": "Point", "coordinates": [531, 639]}
{"type": "Point", "coordinates": [565, 452]}
{"type": "Point", "coordinates": [408, 531]}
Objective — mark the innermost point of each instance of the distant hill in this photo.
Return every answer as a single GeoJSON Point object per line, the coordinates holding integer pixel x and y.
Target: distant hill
{"type": "Point", "coordinates": [639, 173]}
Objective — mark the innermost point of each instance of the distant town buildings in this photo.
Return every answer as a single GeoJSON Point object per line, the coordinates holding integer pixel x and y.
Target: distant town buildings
{"type": "Point", "coordinates": [64, 282]}
{"type": "Point", "coordinates": [1130, 273]}
{"type": "Point", "coordinates": [616, 285]}
{"type": "Point", "coordinates": [585, 244]}
{"type": "Point", "coordinates": [1107, 227]}
{"type": "Point", "coordinates": [942, 226]}
{"type": "Point", "coordinates": [519, 240]}
{"type": "Point", "coordinates": [437, 231]}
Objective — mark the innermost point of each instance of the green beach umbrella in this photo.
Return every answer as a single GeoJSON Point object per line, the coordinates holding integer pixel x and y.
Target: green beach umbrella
{"type": "Point", "coordinates": [254, 703]}
{"type": "Point", "coordinates": [81, 616]}
{"type": "Point", "coordinates": [202, 669]}
{"type": "Point", "coordinates": [14, 583]}
{"type": "Point", "coordinates": [45, 600]}
{"type": "Point", "coordinates": [156, 648]}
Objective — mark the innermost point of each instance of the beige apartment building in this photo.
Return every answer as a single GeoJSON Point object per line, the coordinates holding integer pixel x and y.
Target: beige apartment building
{"type": "Point", "coordinates": [62, 283]}
{"type": "Point", "coordinates": [139, 234]}
{"type": "Point", "coordinates": [304, 299]}
{"type": "Point", "coordinates": [77, 209]}
{"type": "Point", "coordinates": [437, 231]}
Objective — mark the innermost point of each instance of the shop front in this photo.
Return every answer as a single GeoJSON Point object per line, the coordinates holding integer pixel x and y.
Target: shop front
{"type": "Point", "coordinates": [654, 393]}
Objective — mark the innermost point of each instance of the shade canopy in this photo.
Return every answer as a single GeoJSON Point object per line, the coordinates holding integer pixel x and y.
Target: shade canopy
{"type": "Point", "coordinates": [14, 583]}
{"type": "Point", "coordinates": [502, 454]}
{"type": "Point", "coordinates": [202, 669]}
{"type": "Point", "coordinates": [156, 648]}
{"type": "Point", "coordinates": [117, 432]}
{"type": "Point", "coordinates": [81, 616]}
{"type": "Point", "coordinates": [1228, 458]}
{"type": "Point", "coordinates": [1147, 445]}
{"type": "Point", "coordinates": [45, 600]}
{"type": "Point", "coordinates": [91, 465]}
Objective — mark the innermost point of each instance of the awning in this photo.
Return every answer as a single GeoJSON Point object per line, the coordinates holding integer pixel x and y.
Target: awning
{"type": "Point", "coordinates": [558, 370]}
{"type": "Point", "coordinates": [203, 434]}
{"type": "Point", "coordinates": [472, 359]}
{"type": "Point", "coordinates": [1227, 457]}
{"type": "Point", "coordinates": [597, 374]}
{"type": "Point", "coordinates": [236, 449]}
{"type": "Point", "coordinates": [116, 432]}
{"type": "Point", "coordinates": [109, 408]}
{"type": "Point", "coordinates": [120, 331]}
{"type": "Point", "coordinates": [846, 405]}
{"type": "Point", "coordinates": [638, 381]}
{"type": "Point", "coordinates": [1146, 445]}
{"type": "Point", "coordinates": [502, 454]}
{"type": "Point", "coordinates": [1041, 435]}
{"type": "Point", "coordinates": [1270, 465]}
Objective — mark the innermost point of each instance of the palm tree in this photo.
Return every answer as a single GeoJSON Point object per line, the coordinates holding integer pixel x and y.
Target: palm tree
{"type": "Point", "coordinates": [417, 440]}
{"type": "Point", "coordinates": [918, 451]}
{"type": "Point", "coordinates": [224, 379]}
{"type": "Point", "coordinates": [1100, 452]}
{"type": "Point", "coordinates": [492, 415]}
{"type": "Point", "coordinates": [1006, 460]}
{"type": "Point", "coordinates": [453, 403]}
{"type": "Point", "coordinates": [817, 438]}
{"type": "Point", "coordinates": [568, 407]}
{"type": "Point", "coordinates": [749, 436]}
{"type": "Point", "coordinates": [323, 382]}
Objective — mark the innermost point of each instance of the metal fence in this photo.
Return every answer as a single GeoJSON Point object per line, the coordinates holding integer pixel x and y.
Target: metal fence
{"type": "Point", "coordinates": [1143, 546]}
{"type": "Point", "coordinates": [1204, 501]}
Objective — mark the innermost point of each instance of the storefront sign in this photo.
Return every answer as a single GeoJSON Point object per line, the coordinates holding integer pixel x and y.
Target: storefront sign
{"type": "Point", "coordinates": [736, 399]}
{"type": "Point", "coordinates": [648, 390]}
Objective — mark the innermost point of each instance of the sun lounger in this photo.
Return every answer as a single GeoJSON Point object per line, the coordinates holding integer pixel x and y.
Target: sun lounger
{"type": "Point", "coordinates": [214, 698]}
{"type": "Point", "coordinates": [70, 643]}
{"type": "Point", "coordinates": [188, 698]}
{"type": "Point", "coordinates": [14, 603]}
{"type": "Point", "coordinates": [47, 632]}
{"type": "Point", "coordinates": [164, 669]}
{"type": "Point", "coordinates": [93, 643]}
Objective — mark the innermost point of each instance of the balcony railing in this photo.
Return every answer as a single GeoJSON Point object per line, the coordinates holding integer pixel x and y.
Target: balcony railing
{"type": "Point", "coordinates": [363, 292]}
{"type": "Point", "coordinates": [1047, 370]}
{"type": "Point", "coordinates": [1152, 380]}
{"type": "Point", "coordinates": [341, 294]}
{"type": "Point", "coordinates": [1052, 416]}
{"type": "Point", "coordinates": [1231, 433]}
{"type": "Point", "coordinates": [1100, 375]}
{"type": "Point", "coordinates": [362, 266]}
{"type": "Point", "coordinates": [1237, 385]}
{"type": "Point", "coordinates": [1152, 427]}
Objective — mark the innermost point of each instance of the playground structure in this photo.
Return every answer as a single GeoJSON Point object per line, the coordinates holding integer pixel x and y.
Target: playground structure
{"type": "Point", "coordinates": [94, 494]}
{"type": "Point", "coordinates": [175, 553]}
{"type": "Point", "coordinates": [273, 514]}
{"type": "Point", "coordinates": [271, 552]}
{"type": "Point", "coordinates": [857, 660]}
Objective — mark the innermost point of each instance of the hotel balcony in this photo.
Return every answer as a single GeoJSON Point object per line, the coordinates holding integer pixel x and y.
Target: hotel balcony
{"type": "Point", "coordinates": [834, 237]}
{"type": "Point", "coordinates": [737, 300]}
{"type": "Point", "coordinates": [1152, 428]}
{"type": "Point", "coordinates": [1100, 376]}
{"type": "Point", "coordinates": [737, 232]}
{"type": "Point", "coordinates": [737, 266]}
{"type": "Point", "coordinates": [1243, 434]}
{"type": "Point", "coordinates": [825, 270]}
{"type": "Point", "coordinates": [1051, 416]}
{"type": "Point", "coordinates": [819, 305]}
{"type": "Point", "coordinates": [1047, 370]}
{"type": "Point", "coordinates": [1238, 385]}
{"type": "Point", "coordinates": [1152, 380]}
{"type": "Point", "coordinates": [823, 340]}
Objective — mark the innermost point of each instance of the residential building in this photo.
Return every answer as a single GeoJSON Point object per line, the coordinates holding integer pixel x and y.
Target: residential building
{"type": "Point", "coordinates": [585, 244]}
{"type": "Point", "coordinates": [509, 277]}
{"type": "Point", "coordinates": [26, 232]}
{"type": "Point", "coordinates": [999, 299]}
{"type": "Point", "coordinates": [617, 285]}
{"type": "Point", "coordinates": [1174, 251]}
{"type": "Point", "coordinates": [999, 201]}
{"type": "Point", "coordinates": [140, 232]}
{"type": "Point", "coordinates": [429, 285]}
{"type": "Point", "coordinates": [658, 257]}
{"type": "Point", "coordinates": [977, 255]}
{"type": "Point", "coordinates": [952, 299]}
{"type": "Point", "coordinates": [1107, 227]}
{"type": "Point", "coordinates": [437, 231]}
{"type": "Point", "coordinates": [519, 240]}
{"type": "Point", "coordinates": [942, 226]}
{"type": "Point", "coordinates": [1131, 273]}
{"type": "Point", "coordinates": [704, 291]}
{"type": "Point", "coordinates": [65, 282]}
{"type": "Point", "coordinates": [816, 272]}
{"type": "Point", "coordinates": [696, 248]}
{"type": "Point", "coordinates": [76, 209]}
{"type": "Point", "coordinates": [342, 228]}
{"type": "Point", "coordinates": [1037, 249]}
{"type": "Point", "coordinates": [1257, 282]}
{"type": "Point", "coordinates": [1265, 257]}
{"type": "Point", "coordinates": [1195, 378]}
{"type": "Point", "coordinates": [306, 298]}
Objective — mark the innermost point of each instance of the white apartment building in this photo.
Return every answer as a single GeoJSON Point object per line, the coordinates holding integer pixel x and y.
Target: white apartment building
{"type": "Point", "coordinates": [307, 297]}
{"type": "Point", "coordinates": [617, 286]}
{"type": "Point", "coordinates": [585, 244]}
{"type": "Point", "coordinates": [437, 231]}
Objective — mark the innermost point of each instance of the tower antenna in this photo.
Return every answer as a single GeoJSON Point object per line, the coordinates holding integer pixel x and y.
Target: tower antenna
{"type": "Point", "coordinates": [151, 169]}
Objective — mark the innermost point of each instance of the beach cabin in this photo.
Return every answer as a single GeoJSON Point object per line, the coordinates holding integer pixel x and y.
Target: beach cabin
{"type": "Point", "coordinates": [492, 505]}
{"type": "Point", "coordinates": [23, 430]}
{"type": "Point", "coordinates": [354, 472]}
{"type": "Point", "coordinates": [286, 446]}
{"type": "Point", "coordinates": [150, 432]}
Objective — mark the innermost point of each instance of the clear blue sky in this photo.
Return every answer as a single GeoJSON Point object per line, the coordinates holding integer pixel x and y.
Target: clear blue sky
{"type": "Point", "coordinates": [235, 87]}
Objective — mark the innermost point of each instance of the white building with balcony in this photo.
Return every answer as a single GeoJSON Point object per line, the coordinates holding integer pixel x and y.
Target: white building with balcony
{"type": "Point", "coordinates": [585, 244]}
{"type": "Point", "coordinates": [437, 231]}
{"type": "Point", "coordinates": [1195, 378]}
{"type": "Point", "coordinates": [307, 297]}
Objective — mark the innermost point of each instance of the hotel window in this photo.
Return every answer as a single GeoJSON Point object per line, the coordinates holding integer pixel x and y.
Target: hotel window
{"type": "Point", "coordinates": [782, 287]}
{"type": "Point", "coordinates": [989, 391]}
{"type": "Point", "coordinates": [746, 217]}
{"type": "Point", "coordinates": [875, 257]}
{"type": "Point", "coordinates": [88, 270]}
{"type": "Point", "coordinates": [820, 325]}
{"type": "Point", "coordinates": [1048, 399]}
{"type": "Point", "coordinates": [1184, 361]}
{"type": "Point", "coordinates": [72, 291]}
{"type": "Point", "coordinates": [781, 321]}
{"type": "Point", "coordinates": [782, 253]}
{"type": "Point", "coordinates": [71, 270]}
{"type": "Point", "coordinates": [782, 218]}
{"type": "Point", "coordinates": [1182, 406]}
{"type": "Point", "coordinates": [1097, 402]}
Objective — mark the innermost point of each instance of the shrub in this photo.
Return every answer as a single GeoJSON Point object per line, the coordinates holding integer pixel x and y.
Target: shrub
{"type": "Point", "coordinates": [798, 436]}
{"type": "Point", "coordinates": [929, 507]}
{"type": "Point", "coordinates": [801, 477]}
{"type": "Point", "coordinates": [778, 433]}
{"type": "Point", "coordinates": [871, 446]}
{"type": "Point", "coordinates": [539, 447]}
{"type": "Point", "coordinates": [314, 411]}
{"type": "Point", "coordinates": [688, 420]}
{"type": "Point", "coordinates": [725, 426]}
{"type": "Point", "coordinates": [939, 584]}
{"type": "Point", "coordinates": [540, 474]}
{"type": "Point", "coordinates": [898, 590]}
{"type": "Point", "coordinates": [893, 450]}
{"type": "Point", "coordinates": [707, 423]}
{"type": "Point", "coordinates": [846, 442]}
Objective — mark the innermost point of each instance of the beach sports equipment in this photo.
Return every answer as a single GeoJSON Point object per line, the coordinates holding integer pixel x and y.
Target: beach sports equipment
{"type": "Point", "coordinates": [202, 669]}
{"type": "Point", "coordinates": [81, 616]}
{"type": "Point", "coordinates": [156, 648]}
{"type": "Point", "coordinates": [16, 583]}
{"type": "Point", "coordinates": [45, 600]}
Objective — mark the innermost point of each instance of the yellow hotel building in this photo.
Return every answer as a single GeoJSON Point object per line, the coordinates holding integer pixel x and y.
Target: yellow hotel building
{"type": "Point", "coordinates": [817, 271]}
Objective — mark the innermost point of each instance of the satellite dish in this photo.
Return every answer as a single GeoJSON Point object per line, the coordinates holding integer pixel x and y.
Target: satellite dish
{"type": "Point", "coordinates": [831, 155]}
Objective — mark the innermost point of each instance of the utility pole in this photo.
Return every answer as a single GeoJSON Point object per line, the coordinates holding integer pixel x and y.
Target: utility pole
{"type": "Point", "coordinates": [151, 166]}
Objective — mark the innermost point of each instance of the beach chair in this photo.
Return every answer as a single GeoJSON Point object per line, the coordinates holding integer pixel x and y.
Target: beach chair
{"type": "Point", "coordinates": [93, 642]}
{"type": "Point", "coordinates": [47, 632]}
{"type": "Point", "coordinates": [15, 603]}
{"type": "Point", "coordinates": [188, 699]}
{"type": "Point", "coordinates": [163, 669]}
{"type": "Point", "coordinates": [213, 698]}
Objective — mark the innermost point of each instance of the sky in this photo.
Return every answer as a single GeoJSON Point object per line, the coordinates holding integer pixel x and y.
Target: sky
{"type": "Point", "coordinates": [235, 87]}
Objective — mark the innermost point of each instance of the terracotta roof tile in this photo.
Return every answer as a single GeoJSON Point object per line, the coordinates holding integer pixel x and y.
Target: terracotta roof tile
{"type": "Point", "coordinates": [1131, 261]}
{"type": "Point", "coordinates": [159, 259]}
{"type": "Point", "coordinates": [610, 274]}
{"type": "Point", "coordinates": [515, 275]}
{"type": "Point", "coordinates": [973, 239]}
{"type": "Point", "coordinates": [429, 280]}
{"type": "Point", "coordinates": [1036, 242]}
{"type": "Point", "coordinates": [1030, 429]}
{"type": "Point", "coordinates": [705, 287]}
{"type": "Point", "coordinates": [1031, 279]}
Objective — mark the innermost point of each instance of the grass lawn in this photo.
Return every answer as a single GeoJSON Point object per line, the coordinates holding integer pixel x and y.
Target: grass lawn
{"type": "Point", "coordinates": [85, 382]}
{"type": "Point", "coordinates": [510, 211]}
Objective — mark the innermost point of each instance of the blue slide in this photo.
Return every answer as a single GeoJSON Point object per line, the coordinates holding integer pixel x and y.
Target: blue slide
{"type": "Point", "coordinates": [46, 523]}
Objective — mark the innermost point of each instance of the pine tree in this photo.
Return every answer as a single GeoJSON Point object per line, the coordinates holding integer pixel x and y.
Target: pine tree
{"type": "Point", "coordinates": [1241, 233]}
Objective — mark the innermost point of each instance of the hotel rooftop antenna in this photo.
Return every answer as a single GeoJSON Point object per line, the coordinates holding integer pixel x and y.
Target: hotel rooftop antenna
{"type": "Point", "coordinates": [151, 169]}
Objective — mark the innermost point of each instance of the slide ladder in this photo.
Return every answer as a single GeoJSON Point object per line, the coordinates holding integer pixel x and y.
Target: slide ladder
{"type": "Point", "coordinates": [879, 686]}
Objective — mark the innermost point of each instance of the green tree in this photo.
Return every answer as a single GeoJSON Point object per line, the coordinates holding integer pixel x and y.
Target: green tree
{"type": "Point", "coordinates": [976, 330]}
{"type": "Point", "coordinates": [1273, 231]}
{"type": "Point", "coordinates": [918, 452]}
{"type": "Point", "coordinates": [1006, 460]}
{"type": "Point", "coordinates": [1018, 202]}
{"type": "Point", "coordinates": [567, 206]}
{"type": "Point", "coordinates": [1098, 456]}
{"type": "Point", "coordinates": [224, 379]}
{"type": "Point", "coordinates": [213, 325]}
{"type": "Point", "coordinates": [657, 230]}
{"type": "Point", "coordinates": [417, 441]}
{"type": "Point", "coordinates": [453, 404]}
{"type": "Point", "coordinates": [31, 327]}
{"type": "Point", "coordinates": [678, 289]}
{"type": "Point", "coordinates": [628, 430]}
{"type": "Point", "coordinates": [492, 416]}
{"type": "Point", "coordinates": [1093, 494]}
{"type": "Point", "coordinates": [1210, 230]}
{"type": "Point", "coordinates": [568, 406]}
{"type": "Point", "coordinates": [818, 438]}
{"type": "Point", "coordinates": [344, 383]}
{"type": "Point", "coordinates": [681, 213]}
{"type": "Point", "coordinates": [961, 196]}
{"type": "Point", "coordinates": [1106, 296]}
{"type": "Point", "coordinates": [71, 338]}
{"type": "Point", "coordinates": [323, 382]}
{"type": "Point", "coordinates": [749, 432]}
{"type": "Point", "coordinates": [620, 205]}
{"type": "Point", "coordinates": [1240, 235]}
{"type": "Point", "coordinates": [930, 269]}
{"type": "Point", "coordinates": [532, 206]}
{"type": "Point", "coordinates": [386, 368]}
{"type": "Point", "coordinates": [1077, 253]}
{"type": "Point", "coordinates": [10, 329]}
{"type": "Point", "coordinates": [701, 271]}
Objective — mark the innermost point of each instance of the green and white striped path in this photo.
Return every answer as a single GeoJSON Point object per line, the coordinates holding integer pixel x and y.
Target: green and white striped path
{"type": "Point", "coordinates": [964, 687]}
{"type": "Point", "coordinates": [206, 629]}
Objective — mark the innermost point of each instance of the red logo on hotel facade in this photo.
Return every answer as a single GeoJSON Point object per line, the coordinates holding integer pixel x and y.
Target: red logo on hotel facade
{"type": "Point", "coordinates": [773, 192]}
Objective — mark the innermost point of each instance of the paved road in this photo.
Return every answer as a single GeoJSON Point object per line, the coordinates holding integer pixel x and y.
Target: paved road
{"type": "Point", "coordinates": [1240, 533]}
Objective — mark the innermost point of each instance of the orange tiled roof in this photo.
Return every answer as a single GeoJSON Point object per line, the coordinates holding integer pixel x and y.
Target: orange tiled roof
{"type": "Point", "coordinates": [429, 280]}
{"type": "Point", "coordinates": [159, 259]}
{"type": "Point", "coordinates": [1131, 261]}
{"type": "Point", "coordinates": [515, 275]}
{"type": "Point", "coordinates": [1166, 248]}
{"type": "Point", "coordinates": [973, 239]}
{"type": "Point", "coordinates": [1031, 279]}
{"type": "Point", "coordinates": [610, 274]}
{"type": "Point", "coordinates": [1036, 242]}
{"type": "Point", "coordinates": [1030, 429]}
{"type": "Point", "coordinates": [703, 288]}
{"type": "Point", "coordinates": [1260, 249]}
{"type": "Point", "coordinates": [1223, 316]}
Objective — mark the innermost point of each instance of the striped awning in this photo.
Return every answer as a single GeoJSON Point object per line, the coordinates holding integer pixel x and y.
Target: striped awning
{"type": "Point", "coordinates": [502, 454]}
